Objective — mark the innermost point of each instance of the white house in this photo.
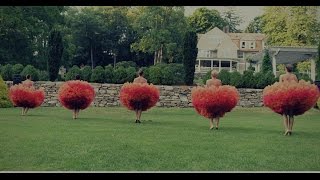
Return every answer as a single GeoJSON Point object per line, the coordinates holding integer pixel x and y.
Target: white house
{"type": "Point", "coordinates": [222, 50]}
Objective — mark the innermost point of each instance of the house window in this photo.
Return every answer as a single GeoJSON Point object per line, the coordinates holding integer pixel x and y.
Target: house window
{"type": "Point", "coordinates": [243, 44]}
{"type": "Point", "coordinates": [240, 54]}
{"type": "Point", "coordinates": [252, 45]}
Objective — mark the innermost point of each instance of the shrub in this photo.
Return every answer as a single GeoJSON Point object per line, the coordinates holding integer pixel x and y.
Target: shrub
{"type": "Point", "coordinates": [304, 77]}
{"type": "Point", "coordinates": [43, 76]}
{"type": "Point", "coordinates": [126, 64]}
{"type": "Point", "coordinates": [6, 72]}
{"type": "Point", "coordinates": [98, 75]}
{"type": "Point", "coordinates": [155, 74]}
{"type": "Point", "coordinates": [17, 69]}
{"type": "Point", "coordinates": [71, 74]}
{"type": "Point", "coordinates": [173, 74]}
{"type": "Point", "coordinates": [120, 75]}
{"type": "Point", "coordinates": [131, 74]}
{"type": "Point", "coordinates": [235, 79]}
{"type": "Point", "coordinates": [224, 76]}
{"type": "Point", "coordinates": [145, 72]}
{"type": "Point", "coordinates": [4, 95]}
{"type": "Point", "coordinates": [86, 72]}
{"type": "Point", "coordinates": [264, 79]}
{"type": "Point", "coordinates": [60, 78]}
{"type": "Point", "coordinates": [109, 74]}
{"type": "Point", "coordinates": [206, 77]}
{"type": "Point", "coordinates": [32, 71]}
{"type": "Point", "coordinates": [248, 80]}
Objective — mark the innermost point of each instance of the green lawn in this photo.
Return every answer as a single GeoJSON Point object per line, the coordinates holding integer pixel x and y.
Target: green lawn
{"type": "Point", "coordinates": [168, 139]}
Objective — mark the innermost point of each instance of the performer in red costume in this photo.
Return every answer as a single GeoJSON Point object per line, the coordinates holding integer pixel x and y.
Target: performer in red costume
{"type": "Point", "coordinates": [26, 96]}
{"type": "Point", "coordinates": [139, 95]}
{"type": "Point", "coordinates": [76, 95]}
{"type": "Point", "coordinates": [214, 100]}
{"type": "Point", "coordinates": [290, 97]}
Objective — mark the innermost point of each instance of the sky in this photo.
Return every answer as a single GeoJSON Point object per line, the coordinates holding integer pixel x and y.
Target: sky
{"type": "Point", "coordinates": [246, 12]}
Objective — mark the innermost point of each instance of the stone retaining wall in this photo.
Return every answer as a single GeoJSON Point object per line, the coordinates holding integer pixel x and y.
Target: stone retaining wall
{"type": "Point", "coordinates": [170, 96]}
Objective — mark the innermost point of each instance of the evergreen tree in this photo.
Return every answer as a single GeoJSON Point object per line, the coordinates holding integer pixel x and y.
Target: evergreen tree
{"type": "Point", "coordinates": [266, 62]}
{"type": "Point", "coordinates": [55, 54]}
{"type": "Point", "coordinates": [190, 52]}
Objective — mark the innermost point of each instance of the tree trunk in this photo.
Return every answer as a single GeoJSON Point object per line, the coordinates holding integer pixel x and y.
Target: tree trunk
{"type": "Point", "coordinates": [160, 58]}
{"type": "Point", "coordinates": [155, 58]}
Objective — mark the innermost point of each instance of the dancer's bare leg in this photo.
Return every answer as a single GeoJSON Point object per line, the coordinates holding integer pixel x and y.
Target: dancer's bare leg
{"type": "Point", "coordinates": [139, 115]}
{"type": "Point", "coordinates": [77, 113]}
{"type": "Point", "coordinates": [211, 123]}
{"type": "Point", "coordinates": [74, 112]}
{"type": "Point", "coordinates": [26, 110]}
{"type": "Point", "coordinates": [22, 111]}
{"type": "Point", "coordinates": [291, 119]}
{"type": "Point", "coordinates": [286, 124]}
{"type": "Point", "coordinates": [217, 122]}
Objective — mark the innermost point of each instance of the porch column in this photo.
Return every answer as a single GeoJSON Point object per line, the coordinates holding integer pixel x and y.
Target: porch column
{"type": "Point", "coordinates": [238, 66]}
{"type": "Point", "coordinates": [313, 69]}
{"type": "Point", "coordinates": [199, 66]}
{"type": "Point", "coordinates": [230, 66]}
{"type": "Point", "coordinates": [219, 65]}
{"type": "Point", "coordinates": [211, 64]}
{"type": "Point", "coordinates": [274, 65]}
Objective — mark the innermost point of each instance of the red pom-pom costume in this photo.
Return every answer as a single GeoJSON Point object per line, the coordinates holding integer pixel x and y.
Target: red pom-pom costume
{"type": "Point", "coordinates": [139, 96]}
{"type": "Point", "coordinates": [26, 96]}
{"type": "Point", "coordinates": [290, 98]}
{"type": "Point", "coordinates": [214, 101]}
{"type": "Point", "coordinates": [76, 94]}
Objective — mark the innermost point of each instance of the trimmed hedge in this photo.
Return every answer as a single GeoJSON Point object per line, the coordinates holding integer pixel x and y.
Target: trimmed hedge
{"type": "Point", "coordinates": [98, 75]}
{"type": "Point", "coordinates": [4, 95]}
{"type": "Point", "coordinates": [71, 74]}
{"type": "Point", "coordinates": [32, 71]}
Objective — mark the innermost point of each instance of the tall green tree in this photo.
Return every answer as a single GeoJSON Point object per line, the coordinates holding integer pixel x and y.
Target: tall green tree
{"type": "Point", "coordinates": [190, 52]}
{"type": "Point", "coordinates": [24, 32]}
{"type": "Point", "coordinates": [203, 20]}
{"type": "Point", "coordinates": [55, 54]}
{"type": "Point", "coordinates": [266, 62]}
{"type": "Point", "coordinates": [160, 30]}
{"type": "Point", "coordinates": [291, 25]}
{"type": "Point", "coordinates": [232, 19]}
{"type": "Point", "coordinates": [256, 25]}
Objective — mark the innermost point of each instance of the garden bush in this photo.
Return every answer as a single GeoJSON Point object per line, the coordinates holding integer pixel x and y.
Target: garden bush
{"type": "Point", "coordinates": [6, 72]}
{"type": "Point", "coordinates": [120, 75]}
{"type": "Point", "coordinates": [72, 72]}
{"type": "Point", "coordinates": [32, 71]}
{"type": "Point", "coordinates": [98, 75]}
{"type": "Point", "coordinates": [235, 79]}
{"type": "Point", "coordinates": [126, 64]}
{"type": "Point", "coordinates": [131, 74]}
{"type": "Point", "coordinates": [4, 95]}
{"type": "Point", "coordinates": [155, 74]}
{"type": "Point", "coordinates": [172, 74]}
{"type": "Point", "coordinates": [43, 76]}
{"type": "Point", "coordinates": [108, 71]}
{"type": "Point", "coordinates": [224, 76]}
{"type": "Point", "coordinates": [86, 72]}
{"type": "Point", "coordinates": [17, 68]}
{"type": "Point", "coordinates": [268, 79]}
{"type": "Point", "coordinates": [248, 80]}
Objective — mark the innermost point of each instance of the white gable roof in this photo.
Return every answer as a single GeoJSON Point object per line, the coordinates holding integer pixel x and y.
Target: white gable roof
{"type": "Point", "coordinates": [212, 39]}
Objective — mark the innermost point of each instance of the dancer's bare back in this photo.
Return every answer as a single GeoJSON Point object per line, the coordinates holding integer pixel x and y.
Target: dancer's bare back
{"type": "Point", "coordinates": [213, 82]}
{"type": "Point", "coordinates": [27, 83]}
{"type": "Point", "coordinates": [140, 80]}
{"type": "Point", "coordinates": [288, 78]}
